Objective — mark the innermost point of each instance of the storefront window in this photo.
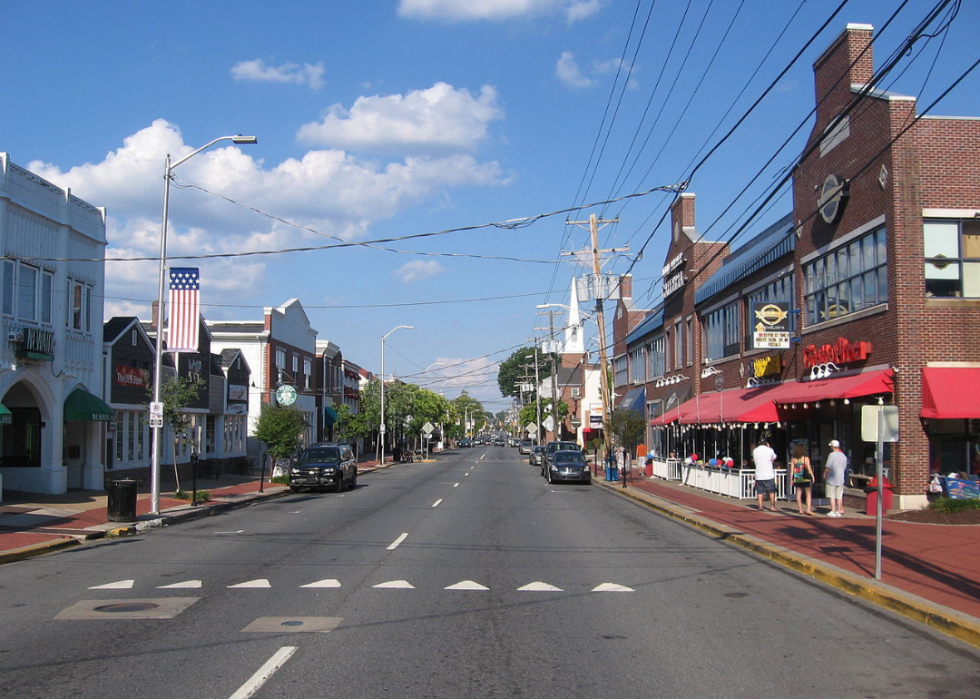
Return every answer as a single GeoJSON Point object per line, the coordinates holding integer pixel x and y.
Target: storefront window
{"type": "Point", "coordinates": [657, 365]}
{"type": "Point", "coordinates": [952, 252]}
{"type": "Point", "coordinates": [721, 332]}
{"type": "Point", "coordinates": [847, 280]}
{"type": "Point", "coordinates": [621, 371]}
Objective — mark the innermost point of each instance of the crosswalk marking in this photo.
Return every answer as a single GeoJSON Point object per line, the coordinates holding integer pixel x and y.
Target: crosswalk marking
{"type": "Point", "coordinates": [118, 585]}
{"type": "Point", "coordinates": [396, 585]}
{"type": "Point", "coordinates": [467, 585]}
{"type": "Point", "coordinates": [329, 582]}
{"type": "Point", "coordinates": [257, 583]}
{"type": "Point", "coordinates": [612, 587]}
{"type": "Point", "coordinates": [185, 585]}
{"type": "Point", "coordinates": [539, 587]}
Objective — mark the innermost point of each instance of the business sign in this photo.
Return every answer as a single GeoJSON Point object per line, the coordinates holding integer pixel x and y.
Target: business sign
{"type": "Point", "coordinates": [237, 392]}
{"type": "Point", "coordinates": [131, 376]}
{"type": "Point", "coordinates": [771, 330]}
{"type": "Point", "coordinates": [763, 367]}
{"type": "Point", "coordinates": [843, 351]}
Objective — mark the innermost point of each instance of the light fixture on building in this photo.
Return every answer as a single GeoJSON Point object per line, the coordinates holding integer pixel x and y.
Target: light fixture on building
{"type": "Point", "coordinates": [817, 404]}
{"type": "Point", "coordinates": [847, 401]}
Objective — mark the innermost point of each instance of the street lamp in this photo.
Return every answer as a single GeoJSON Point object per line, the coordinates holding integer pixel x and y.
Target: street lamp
{"type": "Point", "coordinates": [158, 356]}
{"type": "Point", "coordinates": [381, 431]}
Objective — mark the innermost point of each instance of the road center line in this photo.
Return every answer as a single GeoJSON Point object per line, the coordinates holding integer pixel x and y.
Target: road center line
{"type": "Point", "coordinates": [262, 675]}
{"type": "Point", "coordinates": [396, 542]}
{"type": "Point", "coordinates": [436, 503]}
{"type": "Point", "coordinates": [455, 485]}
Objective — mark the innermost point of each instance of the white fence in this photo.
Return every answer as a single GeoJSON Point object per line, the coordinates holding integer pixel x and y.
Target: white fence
{"type": "Point", "coordinates": [733, 482]}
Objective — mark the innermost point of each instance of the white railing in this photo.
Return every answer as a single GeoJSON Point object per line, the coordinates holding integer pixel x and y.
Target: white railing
{"type": "Point", "coordinates": [732, 482]}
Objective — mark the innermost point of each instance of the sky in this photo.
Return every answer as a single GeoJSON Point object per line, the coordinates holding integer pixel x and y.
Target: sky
{"type": "Point", "coordinates": [452, 142]}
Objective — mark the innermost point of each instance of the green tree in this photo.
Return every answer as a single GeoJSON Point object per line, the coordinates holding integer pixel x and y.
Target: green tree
{"type": "Point", "coordinates": [280, 427]}
{"type": "Point", "coordinates": [529, 413]}
{"type": "Point", "coordinates": [176, 394]}
{"type": "Point", "coordinates": [462, 407]}
{"type": "Point", "coordinates": [628, 426]}
{"type": "Point", "coordinates": [351, 428]}
{"type": "Point", "coordinates": [518, 368]}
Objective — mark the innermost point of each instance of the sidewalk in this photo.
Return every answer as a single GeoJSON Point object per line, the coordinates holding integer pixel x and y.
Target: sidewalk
{"type": "Point", "coordinates": [929, 573]}
{"type": "Point", "coordinates": [33, 524]}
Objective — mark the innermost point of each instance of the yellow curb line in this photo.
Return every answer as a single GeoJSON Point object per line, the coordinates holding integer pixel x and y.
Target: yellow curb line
{"type": "Point", "coordinates": [26, 552]}
{"type": "Point", "coordinates": [934, 617]}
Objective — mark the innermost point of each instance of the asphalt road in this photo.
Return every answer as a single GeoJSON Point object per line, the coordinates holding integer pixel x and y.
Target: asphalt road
{"type": "Point", "coordinates": [467, 577]}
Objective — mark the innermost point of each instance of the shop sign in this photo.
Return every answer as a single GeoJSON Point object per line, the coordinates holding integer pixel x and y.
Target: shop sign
{"type": "Point", "coordinates": [843, 351]}
{"type": "Point", "coordinates": [673, 265]}
{"type": "Point", "coordinates": [767, 366]}
{"type": "Point", "coordinates": [37, 344]}
{"type": "Point", "coordinates": [132, 377]}
{"type": "Point", "coordinates": [674, 283]}
{"type": "Point", "coordinates": [236, 392]}
{"type": "Point", "coordinates": [772, 325]}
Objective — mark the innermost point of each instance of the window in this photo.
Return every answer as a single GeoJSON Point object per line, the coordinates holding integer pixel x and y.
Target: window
{"type": "Point", "coordinates": [79, 306]}
{"type": "Point", "coordinates": [621, 370]}
{"type": "Point", "coordinates": [952, 265]}
{"type": "Point", "coordinates": [8, 287]}
{"type": "Point", "coordinates": [656, 361]}
{"type": "Point", "coordinates": [280, 359]}
{"type": "Point", "coordinates": [637, 368]}
{"type": "Point", "coordinates": [209, 443]}
{"type": "Point", "coordinates": [678, 345]}
{"type": "Point", "coordinates": [307, 372]}
{"type": "Point", "coordinates": [779, 291]}
{"type": "Point", "coordinates": [27, 292]}
{"type": "Point", "coordinates": [690, 342]}
{"type": "Point", "coordinates": [295, 365]}
{"type": "Point", "coordinates": [847, 280]}
{"type": "Point", "coordinates": [721, 332]}
{"type": "Point", "coordinates": [47, 284]}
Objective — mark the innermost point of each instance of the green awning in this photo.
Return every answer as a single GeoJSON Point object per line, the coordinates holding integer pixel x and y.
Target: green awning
{"type": "Point", "coordinates": [329, 415]}
{"type": "Point", "coordinates": [82, 406]}
{"type": "Point", "coordinates": [6, 417]}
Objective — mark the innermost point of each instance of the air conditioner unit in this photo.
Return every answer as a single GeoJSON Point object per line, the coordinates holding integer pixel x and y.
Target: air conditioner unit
{"type": "Point", "coordinates": [15, 337]}
{"type": "Point", "coordinates": [576, 393]}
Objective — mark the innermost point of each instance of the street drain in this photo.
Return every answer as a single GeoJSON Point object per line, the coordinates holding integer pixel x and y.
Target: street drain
{"type": "Point", "coordinates": [128, 608]}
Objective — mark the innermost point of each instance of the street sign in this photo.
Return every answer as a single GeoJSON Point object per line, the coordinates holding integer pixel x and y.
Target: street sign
{"type": "Point", "coordinates": [156, 409]}
{"type": "Point", "coordinates": [889, 423]}
{"type": "Point", "coordinates": [549, 424]}
{"type": "Point", "coordinates": [156, 421]}
{"type": "Point", "coordinates": [427, 428]}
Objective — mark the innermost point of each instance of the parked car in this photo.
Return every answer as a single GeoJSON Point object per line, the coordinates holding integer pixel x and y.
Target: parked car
{"type": "Point", "coordinates": [324, 465]}
{"type": "Point", "coordinates": [568, 466]}
{"type": "Point", "coordinates": [499, 442]}
{"type": "Point", "coordinates": [550, 449]}
{"type": "Point", "coordinates": [536, 457]}
{"type": "Point", "coordinates": [525, 446]}
{"type": "Point", "coordinates": [465, 442]}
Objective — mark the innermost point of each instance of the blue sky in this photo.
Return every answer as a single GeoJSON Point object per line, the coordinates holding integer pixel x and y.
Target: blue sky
{"type": "Point", "coordinates": [381, 119]}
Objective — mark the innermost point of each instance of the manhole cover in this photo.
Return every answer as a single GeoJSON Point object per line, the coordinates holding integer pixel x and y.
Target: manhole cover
{"type": "Point", "coordinates": [292, 623]}
{"type": "Point", "coordinates": [128, 608]}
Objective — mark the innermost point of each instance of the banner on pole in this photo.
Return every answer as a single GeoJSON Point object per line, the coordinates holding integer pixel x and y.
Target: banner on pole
{"type": "Point", "coordinates": [185, 309]}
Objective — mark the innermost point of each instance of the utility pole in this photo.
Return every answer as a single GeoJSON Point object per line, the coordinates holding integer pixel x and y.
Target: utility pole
{"type": "Point", "coordinates": [594, 224]}
{"type": "Point", "coordinates": [537, 396]}
{"type": "Point", "coordinates": [554, 369]}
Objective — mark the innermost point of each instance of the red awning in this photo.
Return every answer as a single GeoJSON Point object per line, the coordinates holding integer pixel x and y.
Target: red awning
{"type": "Point", "coordinates": [869, 383]}
{"type": "Point", "coordinates": [738, 405]}
{"type": "Point", "coordinates": [950, 393]}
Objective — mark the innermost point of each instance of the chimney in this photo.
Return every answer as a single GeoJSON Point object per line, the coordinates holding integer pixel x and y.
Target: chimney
{"type": "Point", "coordinates": [848, 61]}
{"type": "Point", "coordinates": [626, 286]}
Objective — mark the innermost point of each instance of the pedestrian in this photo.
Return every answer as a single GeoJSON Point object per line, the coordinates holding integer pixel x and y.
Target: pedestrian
{"type": "Point", "coordinates": [833, 476]}
{"type": "Point", "coordinates": [802, 478]}
{"type": "Point", "coordinates": [765, 474]}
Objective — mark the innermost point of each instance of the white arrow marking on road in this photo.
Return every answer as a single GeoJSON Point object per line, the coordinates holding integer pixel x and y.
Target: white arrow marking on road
{"type": "Point", "coordinates": [467, 585]}
{"type": "Point", "coordinates": [186, 585]}
{"type": "Point", "coordinates": [396, 585]}
{"type": "Point", "coordinates": [436, 503]}
{"type": "Point", "coordinates": [329, 582]}
{"type": "Point", "coordinates": [539, 587]}
{"type": "Point", "coordinates": [258, 582]}
{"type": "Point", "coordinates": [253, 683]}
{"type": "Point", "coordinates": [118, 585]}
{"type": "Point", "coordinates": [612, 587]}
{"type": "Point", "coordinates": [394, 544]}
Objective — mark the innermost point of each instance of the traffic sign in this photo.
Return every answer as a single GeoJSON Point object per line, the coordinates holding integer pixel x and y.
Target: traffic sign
{"type": "Point", "coordinates": [428, 428]}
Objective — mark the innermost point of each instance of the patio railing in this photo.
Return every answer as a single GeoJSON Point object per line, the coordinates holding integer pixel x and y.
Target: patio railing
{"type": "Point", "coordinates": [733, 482]}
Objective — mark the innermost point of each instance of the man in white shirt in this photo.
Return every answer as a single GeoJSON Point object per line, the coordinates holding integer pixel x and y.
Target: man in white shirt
{"type": "Point", "coordinates": [765, 474]}
{"type": "Point", "coordinates": [833, 476]}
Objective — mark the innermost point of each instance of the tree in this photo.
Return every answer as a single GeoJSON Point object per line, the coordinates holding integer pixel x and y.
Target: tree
{"type": "Point", "coordinates": [349, 427]}
{"type": "Point", "coordinates": [628, 426]}
{"type": "Point", "coordinates": [529, 413]}
{"type": "Point", "coordinates": [462, 407]}
{"type": "Point", "coordinates": [280, 427]}
{"type": "Point", "coordinates": [514, 370]}
{"type": "Point", "coordinates": [176, 394]}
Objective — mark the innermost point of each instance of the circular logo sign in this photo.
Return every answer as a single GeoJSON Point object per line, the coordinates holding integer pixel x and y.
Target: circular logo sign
{"type": "Point", "coordinates": [286, 395]}
{"type": "Point", "coordinates": [831, 199]}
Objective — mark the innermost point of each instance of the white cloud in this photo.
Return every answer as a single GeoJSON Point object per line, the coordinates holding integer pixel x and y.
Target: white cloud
{"type": "Point", "coordinates": [438, 119]}
{"type": "Point", "coordinates": [496, 10]}
{"type": "Point", "coordinates": [293, 73]}
{"type": "Point", "coordinates": [417, 270]}
{"type": "Point", "coordinates": [570, 74]}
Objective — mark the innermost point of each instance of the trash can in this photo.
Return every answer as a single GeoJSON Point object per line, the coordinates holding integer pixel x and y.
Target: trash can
{"type": "Point", "coordinates": [122, 500]}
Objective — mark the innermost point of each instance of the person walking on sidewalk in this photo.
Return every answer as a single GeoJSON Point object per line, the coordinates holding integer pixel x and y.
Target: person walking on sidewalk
{"type": "Point", "coordinates": [833, 476]}
{"type": "Point", "coordinates": [802, 478]}
{"type": "Point", "coordinates": [765, 474]}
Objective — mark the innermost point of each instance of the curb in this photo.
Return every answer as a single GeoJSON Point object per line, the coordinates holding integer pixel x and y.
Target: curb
{"type": "Point", "coordinates": [934, 616]}
{"type": "Point", "coordinates": [26, 552]}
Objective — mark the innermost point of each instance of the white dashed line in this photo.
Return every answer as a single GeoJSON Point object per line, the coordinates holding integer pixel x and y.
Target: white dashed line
{"type": "Point", "coordinates": [436, 503]}
{"type": "Point", "coordinates": [330, 582]}
{"type": "Point", "coordinates": [185, 585]}
{"type": "Point", "coordinates": [251, 584]}
{"type": "Point", "coordinates": [455, 485]}
{"type": "Point", "coordinates": [118, 585]}
{"type": "Point", "coordinates": [539, 587]}
{"type": "Point", "coordinates": [396, 585]}
{"type": "Point", "coordinates": [397, 542]}
{"type": "Point", "coordinates": [612, 587]}
{"type": "Point", "coordinates": [262, 675]}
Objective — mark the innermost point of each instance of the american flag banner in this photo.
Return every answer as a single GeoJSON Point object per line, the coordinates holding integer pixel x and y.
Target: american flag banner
{"type": "Point", "coordinates": [185, 286]}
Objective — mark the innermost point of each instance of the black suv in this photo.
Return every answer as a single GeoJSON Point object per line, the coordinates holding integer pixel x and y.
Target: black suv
{"type": "Point", "coordinates": [324, 466]}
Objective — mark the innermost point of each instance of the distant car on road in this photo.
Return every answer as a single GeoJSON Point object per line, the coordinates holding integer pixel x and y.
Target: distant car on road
{"type": "Point", "coordinates": [569, 466]}
{"type": "Point", "coordinates": [536, 457]}
{"type": "Point", "coordinates": [465, 442]}
{"type": "Point", "coordinates": [499, 442]}
{"type": "Point", "coordinates": [525, 446]}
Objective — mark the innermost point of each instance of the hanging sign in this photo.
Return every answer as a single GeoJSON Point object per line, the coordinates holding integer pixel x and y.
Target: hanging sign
{"type": "Point", "coordinates": [771, 330]}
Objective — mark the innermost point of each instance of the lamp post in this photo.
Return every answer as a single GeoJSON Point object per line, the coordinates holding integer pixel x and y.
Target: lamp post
{"type": "Point", "coordinates": [381, 430]}
{"type": "Point", "coordinates": [158, 353]}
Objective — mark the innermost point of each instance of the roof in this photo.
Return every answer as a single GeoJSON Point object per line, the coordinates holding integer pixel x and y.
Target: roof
{"type": "Point", "coordinates": [652, 322]}
{"type": "Point", "coordinates": [114, 327]}
{"type": "Point", "coordinates": [767, 247]}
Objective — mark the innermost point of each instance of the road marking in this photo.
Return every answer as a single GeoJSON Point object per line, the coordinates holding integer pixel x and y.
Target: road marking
{"type": "Point", "coordinates": [467, 585]}
{"type": "Point", "coordinates": [118, 585]}
{"type": "Point", "coordinates": [436, 503]}
{"type": "Point", "coordinates": [186, 585]}
{"type": "Point", "coordinates": [394, 544]}
{"type": "Point", "coordinates": [395, 585]}
{"type": "Point", "coordinates": [262, 675]}
{"type": "Point", "coordinates": [612, 587]}
{"type": "Point", "coordinates": [329, 582]}
{"type": "Point", "coordinates": [237, 531]}
{"type": "Point", "coordinates": [455, 485]}
{"type": "Point", "coordinates": [539, 587]}
{"type": "Point", "coordinates": [251, 584]}
{"type": "Point", "coordinates": [466, 474]}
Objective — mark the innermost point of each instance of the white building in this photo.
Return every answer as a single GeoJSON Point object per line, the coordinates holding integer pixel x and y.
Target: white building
{"type": "Point", "coordinates": [51, 297]}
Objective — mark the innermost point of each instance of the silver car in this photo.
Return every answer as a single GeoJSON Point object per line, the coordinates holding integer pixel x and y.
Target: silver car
{"type": "Point", "coordinates": [536, 457]}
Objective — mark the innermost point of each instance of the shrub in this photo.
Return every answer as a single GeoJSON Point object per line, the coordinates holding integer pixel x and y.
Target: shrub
{"type": "Point", "coordinates": [283, 479]}
{"type": "Point", "coordinates": [949, 506]}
